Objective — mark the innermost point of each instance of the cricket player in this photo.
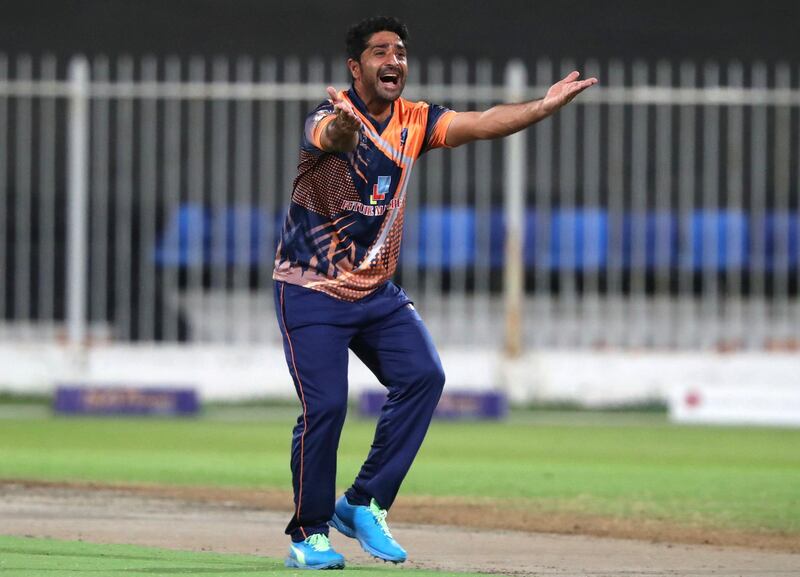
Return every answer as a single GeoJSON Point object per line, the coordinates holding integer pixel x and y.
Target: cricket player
{"type": "Point", "coordinates": [333, 290]}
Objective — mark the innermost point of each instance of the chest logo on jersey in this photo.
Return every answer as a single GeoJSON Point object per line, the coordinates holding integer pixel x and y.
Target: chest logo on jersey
{"type": "Point", "coordinates": [381, 189]}
{"type": "Point", "coordinates": [369, 210]}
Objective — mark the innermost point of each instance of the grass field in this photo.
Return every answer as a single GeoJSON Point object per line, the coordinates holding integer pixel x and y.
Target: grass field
{"type": "Point", "coordinates": [627, 465]}
{"type": "Point", "coordinates": [20, 557]}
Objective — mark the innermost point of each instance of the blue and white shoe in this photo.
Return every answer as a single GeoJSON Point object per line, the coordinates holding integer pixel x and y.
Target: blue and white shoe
{"type": "Point", "coordinates": [368, 526]}
{"type": "Point", "coordinates": [314, 553]}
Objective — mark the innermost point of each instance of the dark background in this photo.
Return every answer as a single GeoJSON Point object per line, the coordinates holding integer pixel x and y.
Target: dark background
{"type": "Point", "coordinates": [499, 30]}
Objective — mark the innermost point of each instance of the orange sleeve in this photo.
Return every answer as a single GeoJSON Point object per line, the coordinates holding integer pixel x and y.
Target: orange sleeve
{"type": "Point", "coordinates": [316, 131]}
{"type": "Point", "coordinates": [437, 136]}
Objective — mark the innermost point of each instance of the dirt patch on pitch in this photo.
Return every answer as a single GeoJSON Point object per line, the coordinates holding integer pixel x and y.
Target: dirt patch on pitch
{"type": "Point", "coordinates": [251, 522]}
{"type": "Point", "coordinates": [465, 513]}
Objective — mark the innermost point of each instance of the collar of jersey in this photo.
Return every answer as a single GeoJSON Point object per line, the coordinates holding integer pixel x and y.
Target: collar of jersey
{"type": "Point", "coordinates": [356, 99]}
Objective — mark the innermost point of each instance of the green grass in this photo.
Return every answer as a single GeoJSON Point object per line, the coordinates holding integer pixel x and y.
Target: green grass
{"type": "Point", "coordinates": [727, 477]}
{"type": "Point", "coordinates": [628, 465]}
{"type": "Point", "coordinates": [22, 557]}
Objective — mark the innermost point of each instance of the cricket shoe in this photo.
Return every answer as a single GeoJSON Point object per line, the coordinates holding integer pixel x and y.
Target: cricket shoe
{"type": "Point", "coordinates": [368, 526]}
{"type": "Point", "coordinates": [314, 553]}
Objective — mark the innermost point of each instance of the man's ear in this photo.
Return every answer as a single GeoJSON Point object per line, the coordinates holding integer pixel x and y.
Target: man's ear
{"type": "Point", "coordinates": [355, 68]}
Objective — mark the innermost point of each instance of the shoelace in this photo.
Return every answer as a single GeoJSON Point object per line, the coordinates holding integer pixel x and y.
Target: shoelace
{"type": "Point", "coordinates": [380, 517]}
{"type": "Point", "coordinates": [319, 542]}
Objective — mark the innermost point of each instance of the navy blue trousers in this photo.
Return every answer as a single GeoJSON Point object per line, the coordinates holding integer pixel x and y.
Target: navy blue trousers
{"type": "Point", "coordinates": [386, 333]}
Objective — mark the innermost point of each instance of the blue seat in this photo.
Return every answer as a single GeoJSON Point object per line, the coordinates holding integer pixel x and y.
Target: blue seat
{"type": "Point", "coordinates": [186, 238]}
{"type": "Point", "coordinates": [781, 239]}
{"type": "Point", "coordinates": [455, 232]}
{"type": "Point", "coordinates": [658, 231]}
{"type": "Point", "coordinates": [588, 249]}
{"type": "Point", "coordinates": [497, 238]}
{"type": "Point", "coordinates": [457, 237]}
{"type": "Point", "coordinates": [724, 233]}
{"type": "Point", "coordinates": [191, 236]}
{"type": "Point", "coordinates": [256, 222]}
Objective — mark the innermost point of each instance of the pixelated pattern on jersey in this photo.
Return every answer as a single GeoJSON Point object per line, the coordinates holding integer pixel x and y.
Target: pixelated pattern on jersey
{"type": "Point", "coordinates": [327, 188]}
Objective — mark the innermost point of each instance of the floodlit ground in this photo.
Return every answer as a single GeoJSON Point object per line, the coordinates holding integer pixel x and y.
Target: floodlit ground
{"type": "Point", "coordinates": [543, 494]}
{"type": "Point", "coordinates": [99, 515]}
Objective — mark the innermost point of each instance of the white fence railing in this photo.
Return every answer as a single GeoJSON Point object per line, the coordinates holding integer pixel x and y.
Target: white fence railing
{"type": "Point", "coordinates": [140, 200]}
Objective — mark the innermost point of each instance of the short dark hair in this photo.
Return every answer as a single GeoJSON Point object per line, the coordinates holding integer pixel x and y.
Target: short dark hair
{"type": "Point", "coordinates": [358, 35]}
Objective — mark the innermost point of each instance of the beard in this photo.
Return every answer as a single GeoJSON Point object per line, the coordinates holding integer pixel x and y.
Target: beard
{"type": "Point", "coordinates": [385, 85]}
{"type": "Point", "coordinates": [389, 91]}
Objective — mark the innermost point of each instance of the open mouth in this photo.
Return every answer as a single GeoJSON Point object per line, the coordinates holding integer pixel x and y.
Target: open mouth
{"type": "Point", "coordinates": [390, 78]}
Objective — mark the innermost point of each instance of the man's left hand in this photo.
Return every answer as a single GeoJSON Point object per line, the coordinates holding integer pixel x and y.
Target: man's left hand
{"type": "Point", "coordinates": [562, 92]}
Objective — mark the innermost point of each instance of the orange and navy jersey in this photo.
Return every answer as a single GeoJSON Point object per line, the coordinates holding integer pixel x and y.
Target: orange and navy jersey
{"type": "Point", "coordinates": [345, 221]}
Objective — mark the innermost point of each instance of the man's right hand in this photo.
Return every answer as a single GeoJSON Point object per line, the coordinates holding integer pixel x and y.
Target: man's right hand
{"type": "Point", "coordinates": [341, 134]}
{"type": "Point", "coordinates": [346, 118]}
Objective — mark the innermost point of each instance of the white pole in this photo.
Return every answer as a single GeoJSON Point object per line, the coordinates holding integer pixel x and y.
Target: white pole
{"type": "Point", "coordinates": [514, 208]}
{"type": "Point", "coordinates": [78, 167]}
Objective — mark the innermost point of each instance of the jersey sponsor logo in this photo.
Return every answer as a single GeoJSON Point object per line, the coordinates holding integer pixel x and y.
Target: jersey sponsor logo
{"type": "Point", "coordinates": [369, 210]}
{"type": "Point", "coordinates": [380, 190]}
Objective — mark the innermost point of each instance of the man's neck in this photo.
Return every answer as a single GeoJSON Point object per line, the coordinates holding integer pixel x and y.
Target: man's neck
{"type": "Point", "coordinates": [378, 109]}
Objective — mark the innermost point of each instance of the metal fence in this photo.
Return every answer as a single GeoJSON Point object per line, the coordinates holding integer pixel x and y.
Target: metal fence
{"type": "Point", "coordinates": [140, 201]}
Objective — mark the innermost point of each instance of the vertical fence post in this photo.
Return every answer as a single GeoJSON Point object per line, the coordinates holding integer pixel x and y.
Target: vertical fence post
{"type": "Point", "coordinates": [514, 215]}
{"type": "Point", "coordinates": [78, 168]}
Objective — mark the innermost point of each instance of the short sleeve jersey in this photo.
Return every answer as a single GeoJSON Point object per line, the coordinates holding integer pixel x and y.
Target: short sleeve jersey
{"type": "Point", "coordinates": [343, 229]}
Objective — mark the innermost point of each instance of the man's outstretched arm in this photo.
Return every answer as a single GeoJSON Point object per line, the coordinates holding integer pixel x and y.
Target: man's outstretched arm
{"type": "Point", "coordinates": [505, 119]}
